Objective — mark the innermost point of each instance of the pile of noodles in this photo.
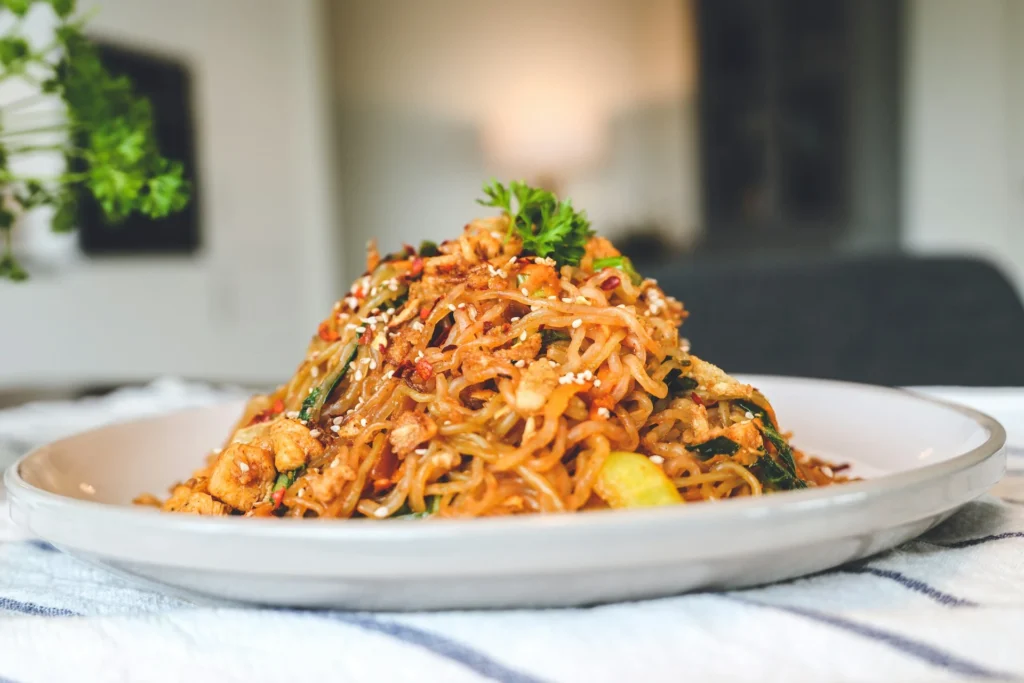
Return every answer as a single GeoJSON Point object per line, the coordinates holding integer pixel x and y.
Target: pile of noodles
{"type": "Point", "coordinates": [522, 377]}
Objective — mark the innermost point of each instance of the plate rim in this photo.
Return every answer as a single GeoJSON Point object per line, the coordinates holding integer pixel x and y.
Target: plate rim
{"type": "Point", "coordinates": [782, 503]}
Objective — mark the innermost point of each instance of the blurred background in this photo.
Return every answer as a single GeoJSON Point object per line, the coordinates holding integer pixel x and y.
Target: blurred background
{"type": "Point", "coordinates": [741, 150]}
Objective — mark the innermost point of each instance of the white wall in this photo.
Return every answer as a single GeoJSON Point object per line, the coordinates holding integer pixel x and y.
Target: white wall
{"type": "Point", "coordinates": [244, 307]}
{"type": "Point", "coordinates": [438, 96]}
{"type": "Point", "coordinates": [964, 160]}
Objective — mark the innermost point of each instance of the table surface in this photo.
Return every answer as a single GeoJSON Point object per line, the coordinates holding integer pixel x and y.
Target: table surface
{"type": "Point", "coordinates": [948, 606]}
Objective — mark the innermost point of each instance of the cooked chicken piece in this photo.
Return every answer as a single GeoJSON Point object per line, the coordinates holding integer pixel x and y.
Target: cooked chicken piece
{"type": "Point", "coordinates": [535, 387]}
{"type": "Point", "coordinates": [539, 279]}
{"type": "Point", "coordinates": [526, 350]}
{"type": "Point", "coordinates": [184, 499]}
{"type": "Point", "coordinates": [293, 445]}
{"type": "Point", "coordinates": [329, 484]}
{"type": "Point", "coordinates": [401, 344]}
{"type": "Point", "coordinates": [243, 475]}
{"type": "Point", "coordinates": [411, 429]}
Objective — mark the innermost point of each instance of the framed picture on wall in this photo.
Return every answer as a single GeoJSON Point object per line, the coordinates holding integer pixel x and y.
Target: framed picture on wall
{"type": "Point", "coordinates": [167, 83]}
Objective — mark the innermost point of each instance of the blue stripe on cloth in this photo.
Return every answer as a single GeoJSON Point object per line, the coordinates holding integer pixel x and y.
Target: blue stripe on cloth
{"type": "Point", "coordinates": [907, 646]}
{"type": "Point", "coordinates": [913, 584]}
{"type": "Point", "coordinates": [12, 605]}
{"type": "Point", "coordinates": [43, 545]}
{"type": "Point", "coordinates": [472, 659]}
{"type": "Point", "coordinates": [978, 541]}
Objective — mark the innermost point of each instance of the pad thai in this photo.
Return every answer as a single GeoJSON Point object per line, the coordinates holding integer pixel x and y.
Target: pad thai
{"type": "Point", "coordinates": [523, 367]}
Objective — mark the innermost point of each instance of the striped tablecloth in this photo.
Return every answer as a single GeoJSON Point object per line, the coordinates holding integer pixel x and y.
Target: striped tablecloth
{"type": "Point", "coordinates": [946, 607]}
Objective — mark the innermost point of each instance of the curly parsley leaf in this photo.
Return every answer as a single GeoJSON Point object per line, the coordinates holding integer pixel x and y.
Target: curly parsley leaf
{"type": "Point", "coordinates": [105, 132]}
{"type": "Point", "coordinates": [547, 226]}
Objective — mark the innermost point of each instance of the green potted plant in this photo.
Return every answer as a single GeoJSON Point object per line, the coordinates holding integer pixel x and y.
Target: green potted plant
{"type": "Point", "coordinates": [101, 128]}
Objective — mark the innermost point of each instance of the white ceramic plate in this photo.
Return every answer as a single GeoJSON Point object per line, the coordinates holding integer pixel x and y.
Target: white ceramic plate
{"type": "Point", "coordinates": [923, 458]}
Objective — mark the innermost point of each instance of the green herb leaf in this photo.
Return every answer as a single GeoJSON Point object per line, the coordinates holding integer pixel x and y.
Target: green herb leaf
{"type": "Point", "coordinates": [719, 445]}
{"type": "Point", "coordinates": [548, 227]}
{"type": "Point", "coordinates": [678, 383]}
{"type": "Point", "coordinates": [549, 337]}
{"type": "Point", "coordinates": [774, 476]}
{"type": "Point", "coordinates": [428, 248]}
{"type": "Point", "coordinates": [622, 263]}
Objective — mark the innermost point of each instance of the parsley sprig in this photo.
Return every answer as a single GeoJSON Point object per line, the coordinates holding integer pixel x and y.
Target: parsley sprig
{"type": "Point", "coordinates": [102, 129]}
{"type": "Point", "coordinates": [548, 227]}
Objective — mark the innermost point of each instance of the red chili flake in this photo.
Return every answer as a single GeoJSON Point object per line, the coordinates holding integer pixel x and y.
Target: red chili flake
{"type": "Point", "coordinates": [326, 333]}
{"type": "Point", "coordinates": [424, 370]}
{"type": "Point", "coordinates": [381, 347]}
{"type": "Point", "coordinates": [611, 283]}
{"type": "Point", "coordinates": [277, 497]}
{"type": "Point", "coordinates": [425, 312]}
{"type": "Point", "coordinates": [278, 406]}
{"type": "Point", "coordinates": [409, 249]}
{"type": "Point", "coordinates": [365, 337]}
{"type": "Point", "coordinates": [359, 293]}
{"type": "Point", "coordinates": [695, 398]}
{"type": "Point", "coordinates": [404, 369]}
{"type": "Point", "coordinates": [417, 268]}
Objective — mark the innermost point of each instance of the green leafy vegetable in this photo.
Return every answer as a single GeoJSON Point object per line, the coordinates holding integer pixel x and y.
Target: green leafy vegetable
{"type": "Point", "coordinates": [678, 383]}
{"type": "Point", "coordinates": [719, 445]}
{"type": "Point", "coordinates": [286, 479]}
{"type": "Point", "coordinates": [775, 476]}
{"type": "Point", "coordinates": [771, 434]}
{"type": "Point", "coordinates": [433, 507]}
{"type": "Point", "coordinates": [622, 263]}
{"type": "Point", "coordinates": [549, 336]}
{"type": "Point", "coordinates": [102, 129]}
{"type": "Point", "coordinates": [428, 248]}
{"type": "Point", "coordinates": [548, 227]}
{"type": "Point", "coordinates": [314, 402]}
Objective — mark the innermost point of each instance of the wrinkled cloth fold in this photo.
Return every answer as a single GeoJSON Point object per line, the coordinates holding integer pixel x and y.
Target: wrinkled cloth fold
{"type": "Point", "coordinates": [946, 607]}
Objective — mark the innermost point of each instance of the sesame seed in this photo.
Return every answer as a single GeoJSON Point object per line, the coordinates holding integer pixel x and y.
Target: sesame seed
{"type": "Point", "coordinates": [749, 415]}
{"type": "Point", "coordinates": [827, 471]}
{"type": "Point", "coordinates": [603, 412]}
{"type": "Point", "coordinates": [597, 383]}
{"type": "Point", "coordinates": [451, 307]}
{"type": "Point", "coordinates": [301, 491]}
{"type": "Point", "coordinates": [314, 433]}
{"type": "Point", "coordinates": [358, 375]}
{"type": "Point", "coordinates": [420, 451]}
{"type": "Point", "coordinates": [576, 323]}
{"type": "Point", "coordinates": [216, 451]}
{"type": "Point", "coordinates": [314, 371]}
{"type": "Point", "coordinates": [525, 293]}
{"type": "Point", "coordinates": [553, 298]}
{"type": "Point", "coordinates": [360, 330]}
{"type": "Point", "coordinates": [381, 512]}
{"type": "Point", "coordinates": [362, 422]}
{"type": "Point", "coordinates": [520, 364]}
{"type": "Point", "coordinates": [364, 361]}
{"type": "Point", "coordinates": [523, 336]}
{"type": "Point", "coordinates": [243, 466]}
{"type": "Point", "coordinates": [516, 319]}
{"type": "Point", "coordinates": [567, 300]}
{"type": "Point", "coordinates": [338, 420]}
{"type": "Point", "coordinates": [657, 459]}
{"type": "Point", "coordinates": [373, 365]}
{"type": "Point", "coordinates": [583, 300]}
{"type": "Point", "coordinates": [462, 305]}
{"type": "Point", "coordinates": [417, 325]}
{"type": "Point", "coordinates": [472, 312]}
{"type": "Point", "coordinates": [292, 414]}
{"type": "Point", "coordinates": [390, 311]}
{"type": "Point", "coordinates": [335, 428]}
